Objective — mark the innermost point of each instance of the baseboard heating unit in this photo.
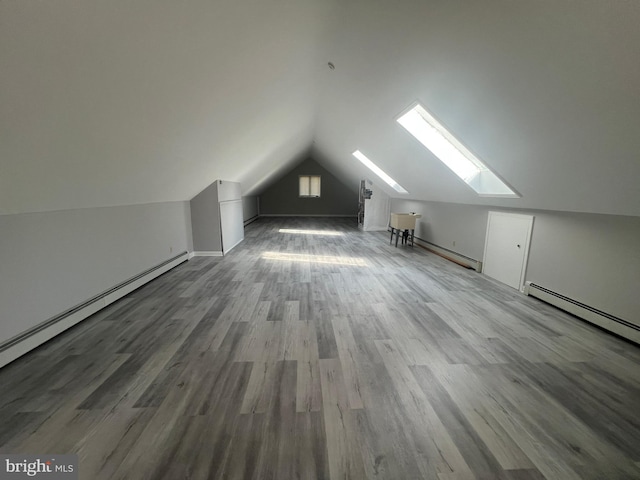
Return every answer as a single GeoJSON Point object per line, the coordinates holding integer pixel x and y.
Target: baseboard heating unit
{"type": "Point", "coordinates": [450, 255]}
{"type": "Point", "coordinates": [609, 322]}
{"type": "Point", "coordinates": [26, 341]}
{"type": "Point", "coordinates": [251, 220]}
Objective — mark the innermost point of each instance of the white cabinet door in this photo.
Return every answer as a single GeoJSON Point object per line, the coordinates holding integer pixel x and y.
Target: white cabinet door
{"type": "Point", "coordinates": [231, 224]}
{"type": "Point", "coordinates": [506, 247]}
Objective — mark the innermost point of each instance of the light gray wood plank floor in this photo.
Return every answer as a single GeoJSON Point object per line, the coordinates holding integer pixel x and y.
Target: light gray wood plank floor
{"type": "Point", "coordinates": [326, 353]}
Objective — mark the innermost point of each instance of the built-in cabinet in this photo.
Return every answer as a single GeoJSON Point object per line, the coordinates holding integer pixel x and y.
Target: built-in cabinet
{"type": "Point", "coordinates": [216, 218]}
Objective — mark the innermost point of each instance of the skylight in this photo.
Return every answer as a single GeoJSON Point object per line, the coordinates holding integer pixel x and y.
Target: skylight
{"type": "Point", "coordinates": [453, 154]}
{"type": "Point", "coordinates": [378, 171]}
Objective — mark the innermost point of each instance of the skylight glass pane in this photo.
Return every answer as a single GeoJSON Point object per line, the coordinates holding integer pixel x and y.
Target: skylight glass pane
{"type": "Point", "coordinates": [453, 154]}
{"type": "Point", "coordinates": [378, 171]}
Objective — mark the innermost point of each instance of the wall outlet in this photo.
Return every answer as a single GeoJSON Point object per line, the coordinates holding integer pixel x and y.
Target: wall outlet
{"type": "Point", "coordinates": [454, 243]}
{"type": "Point", "coordinates": [170, 249]}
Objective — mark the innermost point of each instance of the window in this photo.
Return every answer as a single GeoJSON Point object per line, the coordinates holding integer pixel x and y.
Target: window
{"type": "Point", "coordinates": [428, 131]}
{"type": "Point", "coordinates": [378, 171]}
{"type": "Point", "coordinates": [310, 186]}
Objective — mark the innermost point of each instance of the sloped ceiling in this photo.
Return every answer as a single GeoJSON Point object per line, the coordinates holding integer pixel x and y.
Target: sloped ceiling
{"type": "Point", "coordinates": [547, 93]}
{"type": "Point", "coordinates": [120, 102]}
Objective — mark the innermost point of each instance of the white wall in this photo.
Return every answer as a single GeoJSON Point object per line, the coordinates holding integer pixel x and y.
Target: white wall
{"type": "Point", "coordinates": [376, 209]}
{"type": "Point", "coordinates": [50, 262]}
{"type": "Point", "coordinates": [461, 228]}
{"type": "Point", "coordinates": [205, 220]}
{"type": "Point", "coordinates": [591, 258]}
{"type": "Point", "coordinates": [594, 259]}
{"type": "Point", "coordinates": [250, 207]}
{"type": "Point", "coordinates": [216, 218]}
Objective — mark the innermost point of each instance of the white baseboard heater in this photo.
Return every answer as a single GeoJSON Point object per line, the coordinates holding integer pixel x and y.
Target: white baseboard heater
{"type": "Point", "coordinates": [455, 257]}
{"type": "Point", "coordinates": [609, 322]}
{"type": "Point", "coordinates": [28, 340]}
{"type": "Point", "coordinates": [319, 215]}
{"type": "Point", "coordinates": [250, 220]}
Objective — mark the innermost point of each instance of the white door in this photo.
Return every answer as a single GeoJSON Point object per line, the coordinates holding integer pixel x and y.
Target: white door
{"type": "Point", "coordinates": [506, 247]}
{"type": "Point", "coordinates": [231, 224]}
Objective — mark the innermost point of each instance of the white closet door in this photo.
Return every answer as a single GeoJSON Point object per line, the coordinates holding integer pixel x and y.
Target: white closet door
{"type": "Point", "coordinates": [231, 224]}
{"type": "Point", "coordinates": [506, 247]}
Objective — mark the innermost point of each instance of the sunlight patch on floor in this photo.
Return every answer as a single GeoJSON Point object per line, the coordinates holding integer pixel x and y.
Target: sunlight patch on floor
{"type": "Point", "coordinates": [302, 257]}
{"type": "Point", "coordinates": [311, 232]}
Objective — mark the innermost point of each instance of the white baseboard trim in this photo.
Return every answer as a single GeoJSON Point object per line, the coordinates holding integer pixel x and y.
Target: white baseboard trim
{"type": "Point", "coordinates": [304, 215]}
{"type": "Point", "coordinates": [602, 319]}
{"type": "Point", "coordinates": [455, 257]}
{"type": "Point", "coordinates": [36, 336]}
{"type": "Point", "coordinates": [207, 254]}
{"type": "Point", "coordinates": [16, 350]}
{"type": "Point", "coordinates": [233, 246]}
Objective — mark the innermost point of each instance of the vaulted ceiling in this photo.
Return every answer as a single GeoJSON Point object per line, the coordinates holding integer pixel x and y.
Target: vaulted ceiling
{"type": "Point", "coordinates": [120, 102]}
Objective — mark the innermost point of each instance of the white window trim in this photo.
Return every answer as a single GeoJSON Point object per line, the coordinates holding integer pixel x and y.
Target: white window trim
{"type": "Point", "coordinates": [310, 186]}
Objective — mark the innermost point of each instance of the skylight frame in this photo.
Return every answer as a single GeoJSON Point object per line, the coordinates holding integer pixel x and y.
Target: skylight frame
{"type": "Point", "coordinates": [366, 161]}
{"type": "Point", "coordinates": [439, 140]}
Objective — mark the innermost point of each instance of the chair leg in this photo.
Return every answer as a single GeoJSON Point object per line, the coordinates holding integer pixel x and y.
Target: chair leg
{"type": "Point", "coordinates": [391, 239]}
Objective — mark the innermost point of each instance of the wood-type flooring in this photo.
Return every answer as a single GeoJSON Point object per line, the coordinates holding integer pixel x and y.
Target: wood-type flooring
{"type": "Point", "coordinates": [317, 351]}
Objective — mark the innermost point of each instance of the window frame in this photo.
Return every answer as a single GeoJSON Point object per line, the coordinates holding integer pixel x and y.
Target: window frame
{"type": "Point", "coordinates": [310, 186]}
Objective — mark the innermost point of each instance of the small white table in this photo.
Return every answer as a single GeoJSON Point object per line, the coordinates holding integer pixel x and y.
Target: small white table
{"type": "Point", "coordinates": [405, 223]}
